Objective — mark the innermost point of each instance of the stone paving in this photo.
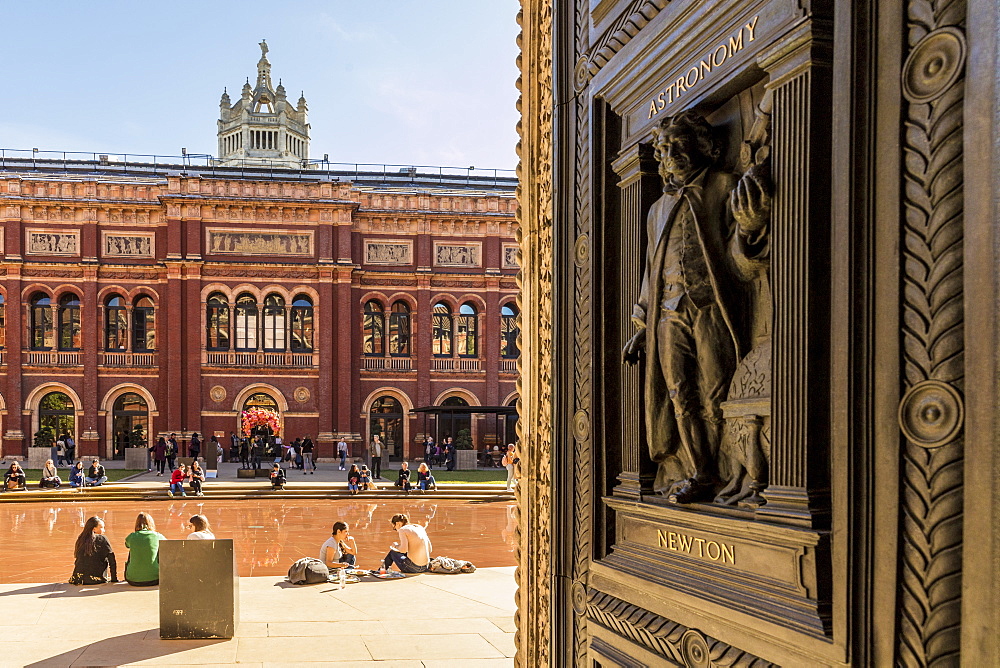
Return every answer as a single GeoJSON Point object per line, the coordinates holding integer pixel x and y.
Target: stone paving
{"type": "Point", "coordinates": [425, 621]}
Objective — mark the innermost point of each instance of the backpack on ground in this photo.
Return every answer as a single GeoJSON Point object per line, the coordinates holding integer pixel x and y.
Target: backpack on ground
{"type": "Point", "coordinates": [308, 570]}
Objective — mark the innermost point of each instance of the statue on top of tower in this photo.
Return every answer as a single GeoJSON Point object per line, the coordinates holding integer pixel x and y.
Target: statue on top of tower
{"type": "Point", "coordinates": [263, 48]}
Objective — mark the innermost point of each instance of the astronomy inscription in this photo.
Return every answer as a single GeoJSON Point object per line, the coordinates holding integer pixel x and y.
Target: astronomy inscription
{"type": "Point", "coordinates": [264, 242]}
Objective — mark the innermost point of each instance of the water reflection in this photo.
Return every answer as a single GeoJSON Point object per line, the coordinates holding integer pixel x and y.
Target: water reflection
{"type": "Point", "coordinates": [37, 539]}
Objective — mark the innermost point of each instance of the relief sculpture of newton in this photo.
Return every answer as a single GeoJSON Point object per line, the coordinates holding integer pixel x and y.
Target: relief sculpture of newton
{"type": "Point", "coordinates": [703, 314]}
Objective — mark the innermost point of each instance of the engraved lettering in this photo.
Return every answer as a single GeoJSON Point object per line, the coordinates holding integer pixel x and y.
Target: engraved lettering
{"type": "Point", "coordinates": [702, 548]}
{"type": "Point", "coordinates": [736, 43]}
{"type": "Point", "coordinates": [718, 61]}
{"type": "Point", "coordinates": [687, 78]}
{"type": "Point", "coordinates": [715, 58]}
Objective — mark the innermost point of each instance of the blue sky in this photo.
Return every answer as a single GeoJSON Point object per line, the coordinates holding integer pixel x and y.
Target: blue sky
{"type": "Point", "coordinates": [396, 82]}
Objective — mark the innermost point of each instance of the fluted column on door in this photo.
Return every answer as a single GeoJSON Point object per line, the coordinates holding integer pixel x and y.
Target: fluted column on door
{"type": "Point", "coordinates": [799, 477]}
{"type": "Point", "coordinates": [640, 186]}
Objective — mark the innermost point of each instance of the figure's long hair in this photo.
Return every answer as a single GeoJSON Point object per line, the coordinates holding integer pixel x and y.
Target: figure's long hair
{"type": "Point", "coordinates": [85, 541]}
{"type": "Point", "coordinates": [144, 521]}
{"type": "Point", "coordinates": [200, 523]}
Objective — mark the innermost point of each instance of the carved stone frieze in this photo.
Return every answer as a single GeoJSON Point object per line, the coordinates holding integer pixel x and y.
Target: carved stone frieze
{"type": "Point", "coordinates": [127, 245]}
{"type": "Point", "coordinates": [379, 251]}
{"type": "Point", "coordinates": [451, 282]}
{"type": "Point", "coordinates": [931, 411]}
{"type": "Point", "coordinates": [53, 242]}
{"type": "Point", "coordinates": [389, 282]}
{"type": "Point", "coordinates": [673, 641]}
{"type": "Point", "coordinates": [305, 273]}
{"type": "Point", "coordinates": [533, 637]}
{"type": "Point", "coordinates": [258, 242]}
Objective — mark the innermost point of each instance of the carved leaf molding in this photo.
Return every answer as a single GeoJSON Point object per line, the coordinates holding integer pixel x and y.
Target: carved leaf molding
{"type": "Point", "coordinates": [663, 636]}
{"type": "Point", "coordinates": [932, 339]}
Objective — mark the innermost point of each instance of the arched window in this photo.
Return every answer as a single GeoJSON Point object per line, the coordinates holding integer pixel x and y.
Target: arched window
{"type": "Point", "coordinates": [399, 329]}
{"type": "Point", "coordinates": [3, 323]}
{"type": "Point", "coordinates": [115, 324]}
{"type": "Point", "coordinates": [56, 413]}
{"type": "Point", "coordinates": [385, 418]}
{"type": "Point", "coordinates": [274, 323]}
{"type": "Point", "coordinates": [509, 331]}
{"type": "Point", "coordinates": [466, 339]}
{"type": "Point", "coordinates": [143, 324]}
{"type": "Point", "coordinates": [302, 324]}
{"type": "Point", "coordinates": [246, 322]}
{"type": "Point", "coordinates": [441, 330]}
{"type": "Point", "coordinates": [69, 322]}
{"type": "Point", "coordinates": [218, 322]}
{"type": "Point", "coordinates": [41, 322]}
{"type": "Point", "coordinates": [456, 425]}
{"type": "Point", "coordinates": [374, 329]}
{"type": "Point", "coordinates": [261, 401]}
{"type": "Point", "coordinates": [130, 423]}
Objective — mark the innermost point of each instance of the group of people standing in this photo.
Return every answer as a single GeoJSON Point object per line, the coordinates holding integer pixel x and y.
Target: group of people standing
{"type": "Point", "coordinates": [94, 557]}
{"type": "Point", "coordinates": [251, 451]}
{"type": "Point", "coordinates": [440, 454]}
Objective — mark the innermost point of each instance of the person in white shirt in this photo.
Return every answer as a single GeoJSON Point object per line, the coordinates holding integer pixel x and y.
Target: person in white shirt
{"type": "Point", "coordinates": [339, 550]}
{"type": "Point", "coordinates": [202, 529]}
{"type": "Point", "coordinates": [412, 554]}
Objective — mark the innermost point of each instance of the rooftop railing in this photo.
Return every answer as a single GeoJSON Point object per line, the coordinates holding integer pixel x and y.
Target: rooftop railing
{"type": "Point", "coordinates": [199, 164]}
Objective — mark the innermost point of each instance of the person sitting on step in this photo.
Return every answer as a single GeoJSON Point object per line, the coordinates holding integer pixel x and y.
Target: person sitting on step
{"type": "Point", "coordinates": [13, 477]}
{"type": "Point", "coordinates": [403, 481]}
{"type": "Point", "coordinates": [177, 481]}
{"type": "Point", "coordinates": [425, 480]}
{"type": "Point", "coordinates": [277, 477]}
{"type": "Point", "coordinates": [50, 476]}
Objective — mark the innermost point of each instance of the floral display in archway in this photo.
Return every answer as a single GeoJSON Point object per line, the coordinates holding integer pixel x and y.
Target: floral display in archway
{"type": "Point", "coordinates": [259, 417]}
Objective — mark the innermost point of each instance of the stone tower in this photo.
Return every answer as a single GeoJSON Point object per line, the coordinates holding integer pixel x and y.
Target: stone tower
{"type": "Point", "coordinates": [262, 128]}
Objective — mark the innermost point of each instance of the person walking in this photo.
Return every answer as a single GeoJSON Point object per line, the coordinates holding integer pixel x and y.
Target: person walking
{"type": "Point", "coordinates": [510, 459]}
{"type": "Point", "coordinates": [429, 451]}
{"type": "Point", "coordinates": [243, 448]}
{"type": "Point", "coordinates": [70, 446]}
{"type": "Point", "coordinates": [449, 454]}
{"type": "Point", "coordinates": [307, 456]}
{"type": "Point", "coordinates": [194, 449]}
{"type": "Point", "coordinates": [172, 450]}
{"type": "Point", "coordinates": [160, 455]}
{"type": "Point", "coordinates": [234, 447]}
{"type": "Point", "coordinates": [342, 452]}
{"type": "Point", "coordinates": [258, 451]}
{"type": "Point", "coordinates": [376, 452]}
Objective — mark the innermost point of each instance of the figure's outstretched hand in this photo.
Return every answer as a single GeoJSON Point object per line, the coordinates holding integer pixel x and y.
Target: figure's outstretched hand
{"type": "Point", "coordinates": [634, 347]}
{"type": "Point", "coordinates": [750, 201]}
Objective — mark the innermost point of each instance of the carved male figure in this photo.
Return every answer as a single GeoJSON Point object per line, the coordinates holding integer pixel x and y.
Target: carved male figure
{"type": "Point", "coordinates": [688, 316]}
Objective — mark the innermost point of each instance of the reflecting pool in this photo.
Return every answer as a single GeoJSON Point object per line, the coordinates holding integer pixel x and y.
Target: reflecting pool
{"type": "Point", "coordinates": [36, 539]}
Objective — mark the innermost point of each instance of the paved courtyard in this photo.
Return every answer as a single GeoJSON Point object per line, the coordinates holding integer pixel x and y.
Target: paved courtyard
{"type": "Point", "coordinates": [429, 621]}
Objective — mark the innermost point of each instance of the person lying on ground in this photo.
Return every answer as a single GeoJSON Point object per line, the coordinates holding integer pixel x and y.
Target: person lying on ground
{"type": "Point", "coordinates": [93, 556]}
{"type": "Point", "coordinates": [340, 550]}
{"type": "Point", "coordinates": [142, 568]}
{"type": "Point", "coordinates": [412, 553]}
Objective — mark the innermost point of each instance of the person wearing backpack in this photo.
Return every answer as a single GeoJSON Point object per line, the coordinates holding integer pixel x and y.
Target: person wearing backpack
{"type": "Point", "coordinates": [172, 450]}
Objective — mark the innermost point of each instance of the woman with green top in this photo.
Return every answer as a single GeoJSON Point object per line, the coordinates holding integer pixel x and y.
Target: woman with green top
{"type": "Point", "coordinates": [143, 566]}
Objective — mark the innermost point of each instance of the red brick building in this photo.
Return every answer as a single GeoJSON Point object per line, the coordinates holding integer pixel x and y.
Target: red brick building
{"type": "Point", "coordinates": [175, 297]}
